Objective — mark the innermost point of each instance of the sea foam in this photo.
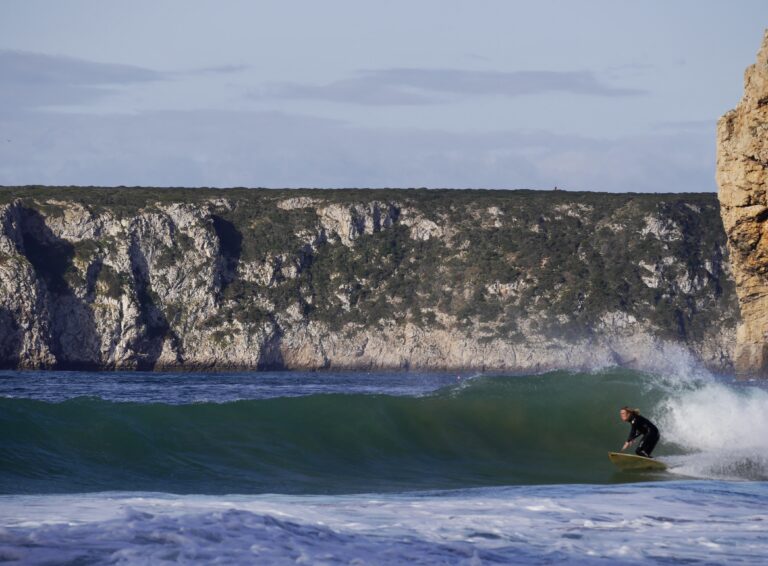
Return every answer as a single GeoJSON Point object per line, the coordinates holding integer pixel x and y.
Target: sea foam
{"type": "Point", "coordinates": [631, 524]}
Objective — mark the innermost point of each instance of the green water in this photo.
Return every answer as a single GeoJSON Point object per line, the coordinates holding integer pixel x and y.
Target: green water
{"type": "Point", "coordinates": [553, 428]}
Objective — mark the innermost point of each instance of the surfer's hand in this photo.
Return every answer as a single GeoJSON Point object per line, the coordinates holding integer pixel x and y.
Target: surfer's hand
{"type": "Point", "coordinates": [626, 445]}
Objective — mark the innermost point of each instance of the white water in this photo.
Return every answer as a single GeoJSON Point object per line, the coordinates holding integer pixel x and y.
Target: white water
{"type": "Point", "coordinates": [721, 427]}
{"type": "Point", "coordinates": [630, 524]}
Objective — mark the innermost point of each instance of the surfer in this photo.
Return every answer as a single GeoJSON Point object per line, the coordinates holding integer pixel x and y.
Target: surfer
{"type": "Point", "coordinates": [640, 427]}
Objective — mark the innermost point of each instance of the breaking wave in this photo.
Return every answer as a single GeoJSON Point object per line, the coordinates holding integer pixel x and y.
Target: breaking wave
{"type": "Point", "coordinates": [490, 430]}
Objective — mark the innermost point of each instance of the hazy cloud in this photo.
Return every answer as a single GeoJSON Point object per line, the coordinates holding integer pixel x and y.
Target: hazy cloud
{"type": "Point", "coordinates": [426, 86]}
{"type": "Point", "coordinates": [217, 70]}
{"type": "Point", "coordinates": [367, 88]}
{"type": "Point", "coordinates": [31, 80]}
{"type": "Point", "coordinates": [36, 68]}
{"type": "Point", "coordinates": [215, 148]}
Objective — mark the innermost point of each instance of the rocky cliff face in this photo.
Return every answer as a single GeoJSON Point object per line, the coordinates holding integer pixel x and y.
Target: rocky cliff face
{"type": "Point", "coordinates": [512, 280]}
{"type": "Point", "coordinates": [742, 174]}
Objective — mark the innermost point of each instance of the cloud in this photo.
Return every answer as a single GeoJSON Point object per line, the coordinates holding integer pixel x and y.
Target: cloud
{"type": "Point", "coordinates": [33, 80]}
{"type": "Point", "coordinates": [216, 70]}
{"type": "Point", "coordinates": [35, 68]}
{"type": "Point", "coordinates": [215, 148]}
{"type": "Point", "coordinates": [402, 86]}
{"type": "Point", "coordinates": [367, 89]}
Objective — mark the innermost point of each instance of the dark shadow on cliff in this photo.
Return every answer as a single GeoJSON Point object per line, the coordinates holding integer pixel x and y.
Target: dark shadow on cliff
{"type": "Point", "coordinates": [11, 340]}
{"type": "Point", "coordinates": [149, 346]}
{"type": "Point", "coordinates": [271, 357]}
{"type": "Point", "coordinates": [230, 248]}
{"type": "Point", "coordinates": [73, 338]}
{"type": "Point", "coordinates": [91, 276]}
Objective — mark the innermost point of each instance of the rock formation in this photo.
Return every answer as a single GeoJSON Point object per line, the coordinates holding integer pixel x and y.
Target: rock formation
{"type": "Point", "coordinates": [310, 279]}
{"type": "Point", "coordinates": [742, 174]}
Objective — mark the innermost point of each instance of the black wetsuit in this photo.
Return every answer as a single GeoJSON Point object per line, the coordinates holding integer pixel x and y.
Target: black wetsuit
{"type": "Point", "coordinates": [644, 427]}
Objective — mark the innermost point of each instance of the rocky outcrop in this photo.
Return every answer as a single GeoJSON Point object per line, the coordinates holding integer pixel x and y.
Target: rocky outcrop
{"type": "Point", "coordinates": [258, 279]}
{"type": "Point", "coordinates": [742, 175]}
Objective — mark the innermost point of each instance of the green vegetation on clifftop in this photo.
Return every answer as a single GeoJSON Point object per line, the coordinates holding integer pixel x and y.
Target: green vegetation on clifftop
{"type": "Point", "coordinates": [502, 264]}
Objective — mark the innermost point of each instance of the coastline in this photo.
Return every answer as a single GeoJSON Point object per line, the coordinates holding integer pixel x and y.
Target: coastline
{"type": "Point", "coordinates": [642, 353]}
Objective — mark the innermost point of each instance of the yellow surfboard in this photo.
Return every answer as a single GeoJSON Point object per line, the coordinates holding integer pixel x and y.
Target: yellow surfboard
{"type": "Point", "coordinates": [634, 462]}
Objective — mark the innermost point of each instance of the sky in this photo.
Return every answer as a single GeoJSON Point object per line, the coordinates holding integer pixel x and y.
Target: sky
{"type": "Point", "coordinates": [602, 95]}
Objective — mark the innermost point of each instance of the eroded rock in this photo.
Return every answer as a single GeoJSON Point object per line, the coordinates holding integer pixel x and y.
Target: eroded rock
{"type": "Point", "coordinates": [742, 175]}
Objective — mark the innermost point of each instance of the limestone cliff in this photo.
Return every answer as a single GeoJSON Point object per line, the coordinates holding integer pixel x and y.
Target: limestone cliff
{"type": "Point", "coordinates": [237, 278]}
{"type": "Point", "coordinates": [742, 174]}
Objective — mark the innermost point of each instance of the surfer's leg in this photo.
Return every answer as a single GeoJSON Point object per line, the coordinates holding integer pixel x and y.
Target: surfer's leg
{"type": "Point", "coordinates": [647, 445]}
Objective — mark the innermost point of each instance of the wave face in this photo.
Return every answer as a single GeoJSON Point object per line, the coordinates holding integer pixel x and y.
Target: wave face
{"type": "Point", "coordinates": [506, 430]}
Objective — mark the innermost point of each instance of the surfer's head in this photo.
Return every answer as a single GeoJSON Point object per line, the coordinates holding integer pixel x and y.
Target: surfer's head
{"type": "Point", "coordinates": [627, 413]}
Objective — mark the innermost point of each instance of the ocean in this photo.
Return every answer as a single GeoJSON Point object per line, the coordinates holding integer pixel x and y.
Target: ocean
{"type": "Point", "coordinates": [378, 468]}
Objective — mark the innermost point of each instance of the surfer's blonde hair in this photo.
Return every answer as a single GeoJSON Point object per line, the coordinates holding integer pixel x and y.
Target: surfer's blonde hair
{"type": "Point", "coordinates": [631, 411]}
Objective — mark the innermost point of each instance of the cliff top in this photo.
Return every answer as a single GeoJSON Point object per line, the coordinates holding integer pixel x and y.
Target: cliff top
{"type": "Point", "coordinates": [756, 79]}
{"type": "Point", "coordinates": [141, 196]}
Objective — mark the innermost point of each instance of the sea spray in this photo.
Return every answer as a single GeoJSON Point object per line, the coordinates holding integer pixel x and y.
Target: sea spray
{"type": "Point", "coordinates": [721, 428]}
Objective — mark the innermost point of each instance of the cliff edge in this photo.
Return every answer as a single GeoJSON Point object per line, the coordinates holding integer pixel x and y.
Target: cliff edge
{"type": "Point", "coordinates": [742, 175]}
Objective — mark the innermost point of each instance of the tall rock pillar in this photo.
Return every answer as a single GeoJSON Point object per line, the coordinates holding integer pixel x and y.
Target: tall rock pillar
{"type": "Point", "coordinates": [742, 175]}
